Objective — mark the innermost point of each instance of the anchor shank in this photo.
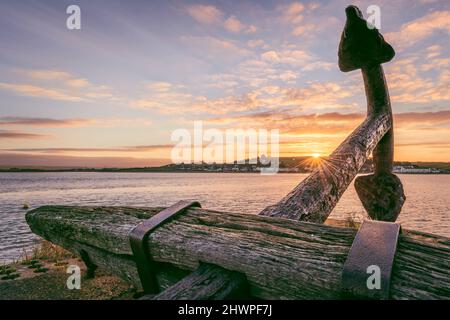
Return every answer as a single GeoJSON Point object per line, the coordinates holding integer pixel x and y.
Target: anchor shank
{"type": "Point", "coordinates": [378, 101]}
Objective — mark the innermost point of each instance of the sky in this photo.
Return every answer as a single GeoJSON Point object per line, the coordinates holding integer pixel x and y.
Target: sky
{"type": "Point", "coordinates": [112, 93]}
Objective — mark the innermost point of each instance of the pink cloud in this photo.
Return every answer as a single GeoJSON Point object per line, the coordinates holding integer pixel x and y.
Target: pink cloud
{"type": "Point", "coordinates": [8, 134]}
{"type": "Point", "coordinates": [419, 29]}
{"type": "Point", "coordinates": [42, 122]}
{"type": "Point", "coordinates": [204, 13]}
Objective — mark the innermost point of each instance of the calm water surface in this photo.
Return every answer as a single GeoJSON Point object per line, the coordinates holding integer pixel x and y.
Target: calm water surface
{"type": "Point", "coordinates": [427, 207]}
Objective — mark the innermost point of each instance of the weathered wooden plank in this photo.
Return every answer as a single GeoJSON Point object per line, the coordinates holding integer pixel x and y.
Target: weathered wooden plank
{"type": "Point", "coordinates": [207, 282]}
{"type": "Point", "coordinates": [282, 259]}
{"type": "Point", "coordinates": [316, 196]}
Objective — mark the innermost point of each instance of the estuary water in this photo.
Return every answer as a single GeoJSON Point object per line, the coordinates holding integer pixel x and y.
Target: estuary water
{"type": "Point", "coordinates": [427, 207]}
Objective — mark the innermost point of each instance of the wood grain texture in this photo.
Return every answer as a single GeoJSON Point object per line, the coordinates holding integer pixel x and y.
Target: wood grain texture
{"type": "Point", "coordinates": [282, 259]}
{"type": "Point", "coordinates": [207, 282]}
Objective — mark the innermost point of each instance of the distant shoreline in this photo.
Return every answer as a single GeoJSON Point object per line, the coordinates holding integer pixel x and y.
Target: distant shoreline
{"type": "Point", "coordinates": [286, 165]}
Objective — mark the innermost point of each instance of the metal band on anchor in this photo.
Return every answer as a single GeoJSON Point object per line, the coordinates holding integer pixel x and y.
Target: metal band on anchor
{"type": "Point", "coordinates": [138, 241]}
{"type": "Point", "coordinates": [371, 255]}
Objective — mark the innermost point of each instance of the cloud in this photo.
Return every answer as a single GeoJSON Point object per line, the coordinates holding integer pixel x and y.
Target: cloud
{"type": "Point", "coordinates": [314, 132]}
{"type": "Point", "coordinates": [434, 51]}
{"type": "Point", "coordinates": [66, 123]}
{"type": "Point", "coordinates": [409, 85]}
{"type": "Point", "coordinates": [304, 29]}
{"type": "Point", "coordinates": [78, 83]}
{"type": "Point", "coordinates": [319, 95]}
{"type": "Point", "coordinates": [319, 65]}
{"type": "Point", "coordinates": [435, 117]}
{"type": "Point", "coordinates": [222, 81]}
{"type": "Point", "coordinates": [141, 148]}
{"type": "Point", "coordinates": [288, 75]}
{"type": "Point", "coordinates": [58, 85]}
{"type": "Point", "coordinates": [216, 48]}
{"type": "Point", "coordinates": [295, 14]}
{"type": "Point", "coordinates": [206, 14]}
{"type": "Point", "coordinates": [251, 29]}
{"type": "Point", "coordinates": [268, 67]}
{"type": "Point", "coordinates": [331, 123]}
{"type": "Point", "coordinates": [8, 134]}
{"type": "Point", "coordinates": [428, 1]}
{"type": "Point", "coordinates": [258, 43]}
{"type": "Point", "coordinates": [46, 74]}
{"type": "Point", "coordinates": [178, 102]}
{"type": "Point", "coordinates": [39, 92]}
{"type": "Point", "coordinates": [425, 144]}
{"type": "Point", "coordinates": [232, 24]}
{"type": "Point", "coordinates": [270, 56]}
{"type": "Point", "coordinates": [42, 122]}
{"type": "Point", "coordinates": [56, 75]}
{"type": "Point", "coordinates": [292, 13]}
{"type": "Point", "coordinates": [160, 86]}
{"type": "Point", "coordinates": [296, 57]}
{"type": "Point", "coordinates": [419, 29]}
{"type": "Point", "coordinates": [263, 98]}
{"type": "Point", "coordinates": [164, 98]}
{"type": "Point", "coordinates": [291, 123]}
{"type": "Point", "coordinates": [209, 14]}
{"type": "Point", "coordinates": [255, 73]}
{"type": "Point", "coordinates": [438, 64]}
{"type": "Point", "coordinates": [423, 120]}
{"type": "Point", "coordinates": [314, 96]}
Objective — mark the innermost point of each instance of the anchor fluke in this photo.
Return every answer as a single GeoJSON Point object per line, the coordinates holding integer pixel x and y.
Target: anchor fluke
{"type": "Point", "coordinates": [360, 45]}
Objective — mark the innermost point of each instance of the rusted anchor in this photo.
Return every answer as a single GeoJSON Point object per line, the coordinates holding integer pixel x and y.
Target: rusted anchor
{"type": "Point", "coordinates": [363, 48]}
